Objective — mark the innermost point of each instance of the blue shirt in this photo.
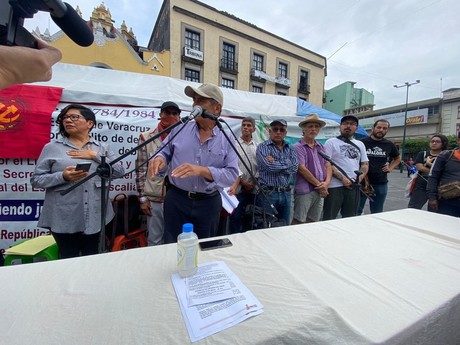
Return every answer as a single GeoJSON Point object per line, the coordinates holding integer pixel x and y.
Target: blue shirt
{"type": "Point", "coordinates": [215, 153]}
{"type": "Point", "coordinates": [278, 172]}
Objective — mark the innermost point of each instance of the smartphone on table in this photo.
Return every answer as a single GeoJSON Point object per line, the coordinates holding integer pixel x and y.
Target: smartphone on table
{"type": "Point", "coordinates": [214, 244]}
{"type": "Point", "coordinates": [84, 166]}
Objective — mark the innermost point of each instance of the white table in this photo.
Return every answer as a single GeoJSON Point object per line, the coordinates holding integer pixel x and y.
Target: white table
{"type": "Point", "coordinates": [391, 278]}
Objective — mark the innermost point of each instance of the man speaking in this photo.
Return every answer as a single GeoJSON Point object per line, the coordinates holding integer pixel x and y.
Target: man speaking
{"type": "Point", "coordinates": [201, 162]}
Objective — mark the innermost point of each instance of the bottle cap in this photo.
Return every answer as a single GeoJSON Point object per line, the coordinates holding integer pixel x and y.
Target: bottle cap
{"type": "Point", "coordinates": [187, 227]}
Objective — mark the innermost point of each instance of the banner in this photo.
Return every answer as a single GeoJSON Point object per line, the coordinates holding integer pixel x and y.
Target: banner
{"type": "Point", "coordinates": [25, 119]}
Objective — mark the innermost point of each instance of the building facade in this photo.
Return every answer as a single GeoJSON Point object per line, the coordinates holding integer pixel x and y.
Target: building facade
{"type": "Point", "coordinates": [208, 45]}
{"type": "Point", "coordinates": [423, 120]}
{"type": "Point", "coordinates": [345, 99]}
{"type": "Point", "coordinates": [112, 48]}
{"type": "Point", "coordinates": [450, 118]}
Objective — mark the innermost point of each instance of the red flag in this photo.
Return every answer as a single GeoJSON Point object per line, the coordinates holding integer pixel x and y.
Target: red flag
{"type": "Point", "coordinates": [25, 119]}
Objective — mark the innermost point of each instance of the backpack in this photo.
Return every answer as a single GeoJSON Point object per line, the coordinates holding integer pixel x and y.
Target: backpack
{"type": "Point", "coordinates": [126, 219]}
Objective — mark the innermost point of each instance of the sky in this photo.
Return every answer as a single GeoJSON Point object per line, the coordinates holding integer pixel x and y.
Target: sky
{"type": "Point", "coordinates": [377, 44]}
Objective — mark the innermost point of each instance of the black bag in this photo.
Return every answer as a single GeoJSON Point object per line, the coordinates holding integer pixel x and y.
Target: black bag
{"type": "Point", "coordinates": [259, 219]}
{"type": "Point", "coordinates": [126, 219]}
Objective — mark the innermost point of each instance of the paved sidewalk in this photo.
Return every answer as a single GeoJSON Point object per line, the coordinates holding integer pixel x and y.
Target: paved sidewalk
{"type": "Point", "coordinates": [395, 198]}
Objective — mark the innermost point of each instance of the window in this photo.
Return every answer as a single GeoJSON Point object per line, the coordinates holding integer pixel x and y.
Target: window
{"type": "Point", "coordinates": [192, 39]}
{"type": "Point", "coordinates": [281, 93]}
{"type": "Point", "coordinates": [258, 62]}
{"type": "Point", "coordinates": [257, 89]}
{"type": "Point", "coordinates": [228, 83]}
{"type": "Point", "coordinates": [303, 82]}
{"type": "Point", "coordinates": [192, 75]}
{"type": "Point", "coordinates": [282, 70]}
{"type": "Point", "coordinates": [228, 59]}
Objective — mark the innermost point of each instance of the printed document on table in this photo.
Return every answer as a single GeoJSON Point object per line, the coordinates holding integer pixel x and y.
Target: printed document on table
{"type": "Point", "coordinates": [213, 299]}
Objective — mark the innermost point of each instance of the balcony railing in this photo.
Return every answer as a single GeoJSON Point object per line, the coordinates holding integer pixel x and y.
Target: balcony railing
{"type": "Point", "coordinates": [229, 66]}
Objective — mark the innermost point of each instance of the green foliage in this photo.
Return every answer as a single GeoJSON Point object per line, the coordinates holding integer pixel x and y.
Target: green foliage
{"type": "Point", "coordinates": [414, 146]}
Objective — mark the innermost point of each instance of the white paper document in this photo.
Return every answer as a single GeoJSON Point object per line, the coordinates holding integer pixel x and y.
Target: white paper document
{"type": "Point", "coordinates": [229, 202]}
{"type": "Point", "coordinates": [213, 299]}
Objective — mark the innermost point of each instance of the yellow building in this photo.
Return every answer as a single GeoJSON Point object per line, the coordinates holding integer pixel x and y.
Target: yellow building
{"type": "Point", "coordinates": [208, 45]}
{"type": "Point", "coordinates": [112, 48]}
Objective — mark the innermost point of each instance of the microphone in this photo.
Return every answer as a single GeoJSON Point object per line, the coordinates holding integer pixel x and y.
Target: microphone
{"type": "Point", "coordinates": [197, 111]}
{"type": "Point", "coordinates": [325, 156]}
{"type": "Point", "coordinates": [70, 22]}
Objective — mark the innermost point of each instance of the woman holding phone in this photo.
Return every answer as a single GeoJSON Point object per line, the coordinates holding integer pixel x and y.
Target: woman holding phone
{"type": "Point", "coordinates": [74, 219]}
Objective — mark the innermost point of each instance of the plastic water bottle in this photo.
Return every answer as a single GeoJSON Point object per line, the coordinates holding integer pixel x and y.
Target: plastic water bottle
{"type": "Point", "coordinates": [187, 251]}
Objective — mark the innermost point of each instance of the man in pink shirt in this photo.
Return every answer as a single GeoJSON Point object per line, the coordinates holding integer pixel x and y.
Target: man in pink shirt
{"type": "Point", "coordinates": [313, 175]}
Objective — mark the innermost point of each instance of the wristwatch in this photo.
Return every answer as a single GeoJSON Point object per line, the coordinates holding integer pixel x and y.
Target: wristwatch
{"type": "Point", "coordinates": [143, 199]}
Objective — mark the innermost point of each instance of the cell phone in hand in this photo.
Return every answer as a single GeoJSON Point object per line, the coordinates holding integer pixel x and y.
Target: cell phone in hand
{"type": "Point", "coordinates": [83, 166]}
{"type": "Point", "coordinates": [214, 244]}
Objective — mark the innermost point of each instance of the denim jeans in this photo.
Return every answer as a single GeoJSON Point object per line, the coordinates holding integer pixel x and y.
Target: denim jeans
{"type": "Point", "coordinates": [282, 203]}
{"type": "Point", "coordinates": [376, 206]}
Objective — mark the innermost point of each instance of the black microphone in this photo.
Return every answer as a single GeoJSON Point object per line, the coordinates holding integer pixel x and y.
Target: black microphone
{"type": "Point", "coordinates": [325, 156]}
{"type": "Point", "coordinates": [70, 22]}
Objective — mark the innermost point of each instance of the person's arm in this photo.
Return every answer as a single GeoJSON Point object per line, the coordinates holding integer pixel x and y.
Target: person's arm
{"type": "Point", "coordinates": [434, 178]}
{"type": "Point", "coordinates": [26, 65]}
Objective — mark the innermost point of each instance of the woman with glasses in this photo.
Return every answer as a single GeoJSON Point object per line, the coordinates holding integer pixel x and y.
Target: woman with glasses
{"type": "Point", "coordinates": [423, 163]}
{"type": "Point", "coordinates": [74, 219]}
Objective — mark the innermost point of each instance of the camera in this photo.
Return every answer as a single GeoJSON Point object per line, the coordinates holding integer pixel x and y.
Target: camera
{"type": "Point", "coordinates": [13, 13]}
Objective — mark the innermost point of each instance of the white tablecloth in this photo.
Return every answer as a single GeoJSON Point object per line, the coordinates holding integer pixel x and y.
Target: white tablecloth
{"type": "Point", "coordinates": [391, 278]}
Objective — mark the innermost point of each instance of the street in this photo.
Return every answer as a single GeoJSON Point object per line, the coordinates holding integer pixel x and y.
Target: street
{"type": "Point", "coordinates": [395, 198]}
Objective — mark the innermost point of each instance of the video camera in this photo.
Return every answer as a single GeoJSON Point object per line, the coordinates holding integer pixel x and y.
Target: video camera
{"type": "Point", "coordinates": [13, 12]}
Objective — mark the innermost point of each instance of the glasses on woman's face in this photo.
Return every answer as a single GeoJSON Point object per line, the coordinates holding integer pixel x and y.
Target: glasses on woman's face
{"type": "Point", "coordinates": [434, 141]}
{"type": "Point", "coordinates": [73, 117]}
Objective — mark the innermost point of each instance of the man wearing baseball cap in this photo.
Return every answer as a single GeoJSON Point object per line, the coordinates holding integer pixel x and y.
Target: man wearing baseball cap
{"type": "Point", "coordinates": [200, 162]}
{"type": "Point", "coordinates": [277, 162]}
{"type": "Point", "coordinates": [350, 155]}
{"type": "Point", "coordinates": [314, 174]}
{"type": "Point", "coordinates": [151, 189]}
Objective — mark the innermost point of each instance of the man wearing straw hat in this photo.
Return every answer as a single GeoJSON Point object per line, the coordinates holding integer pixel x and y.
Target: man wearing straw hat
{"type": "Point", "coordinates": [313, 175]}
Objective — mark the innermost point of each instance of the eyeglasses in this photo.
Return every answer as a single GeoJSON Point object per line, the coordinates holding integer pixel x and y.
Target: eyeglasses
{"type": "Point", "coordinates": [436, 141]}
{"type": "Point", "coordinates": [278, 129]}
{"type": "Point", "coordinates": [73, 117]}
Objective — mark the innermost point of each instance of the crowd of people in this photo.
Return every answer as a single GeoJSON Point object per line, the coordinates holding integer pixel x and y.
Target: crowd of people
{"type": "Point", "coordinates": [192, 165]}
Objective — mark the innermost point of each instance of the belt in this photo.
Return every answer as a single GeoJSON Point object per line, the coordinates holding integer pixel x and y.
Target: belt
{"type": "Point", "coordinates": [276, 189]}
{"type": "Point", "coordinates": [195, 195]}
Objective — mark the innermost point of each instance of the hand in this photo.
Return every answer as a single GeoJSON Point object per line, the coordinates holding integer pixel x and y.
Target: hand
{"type": "Point", "coordinates": [386, 169]}
{"type": "Point", "coordinates": [270, 159]}
{"type": "Point", "coordinates": [155, 166]}
{"type": "Point", "coordinates": [433, 204]}
{"type": "Point", "coordinates": [186, 170]}
{"type": "Point", "coordinates": [70, 174]}
{"type": "Point", "coordinates": [27, 65]}
{"type": "Point", "coordinates": [145, 208]}
{"type": "Point", "coordinates": [83, 154]}
{"type": "Point", "coordinates": [429, 161]}
{"type": "Point", "coordinates": [231, 190]}
{"type": "Point", "coordinates": [346, 182]}
{"type": "Point", "coordinates": [321, 187]}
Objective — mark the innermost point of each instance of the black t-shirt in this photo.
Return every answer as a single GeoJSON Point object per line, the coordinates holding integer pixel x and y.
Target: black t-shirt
{"type": "Point", "coordinates": [379, 153]}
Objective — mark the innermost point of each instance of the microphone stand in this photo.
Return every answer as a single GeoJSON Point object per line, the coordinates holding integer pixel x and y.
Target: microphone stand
{"type": "Point", "coordinates": [264, 194]}
{"type": "Point", "coordinates": [355, 183]}
{"type": "Point", "coordinates": [104, 171]}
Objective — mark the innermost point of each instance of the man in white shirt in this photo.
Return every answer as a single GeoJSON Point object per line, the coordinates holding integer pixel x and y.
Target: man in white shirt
{"type": "Point", "coordinates": [350, 156]}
